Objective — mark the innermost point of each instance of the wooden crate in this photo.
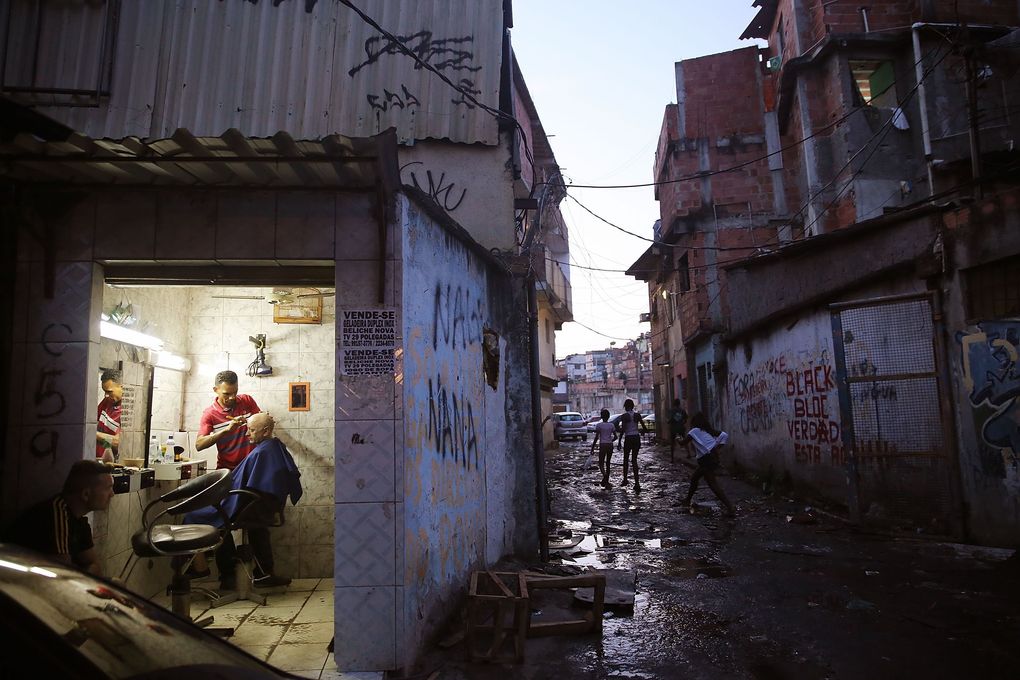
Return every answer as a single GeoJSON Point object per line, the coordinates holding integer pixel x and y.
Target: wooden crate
{"type": "Point", "coordinates": [497, 616]}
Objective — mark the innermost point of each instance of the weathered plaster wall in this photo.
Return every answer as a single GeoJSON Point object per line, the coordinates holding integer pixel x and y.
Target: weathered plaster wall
{"type": "Point", "coordinates": [473, 184]}
{"type": "Point", "coordinates": [464, 445]}
{"type": "Point", "coordinates": [984, 356]}
{"type": "Point", "coordinates": [782, 405]}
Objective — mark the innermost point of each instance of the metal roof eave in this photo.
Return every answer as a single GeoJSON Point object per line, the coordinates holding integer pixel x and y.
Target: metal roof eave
{"type": "Point", "coordinates": [230, 160]}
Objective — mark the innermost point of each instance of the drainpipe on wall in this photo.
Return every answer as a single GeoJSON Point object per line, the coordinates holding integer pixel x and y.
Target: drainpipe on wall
{"type": "Point", "coordinates": [922, 100]}
{"type": "Point", "coordinates": [536, 417]}
{"type": "Point", "coordinates": [921, 97]}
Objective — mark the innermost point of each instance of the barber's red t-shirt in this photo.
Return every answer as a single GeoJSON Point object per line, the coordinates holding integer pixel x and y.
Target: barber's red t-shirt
{"type": "Point", "coordinates": [232, 448]}
{"type": "Point", "coordinates": [108, 421]}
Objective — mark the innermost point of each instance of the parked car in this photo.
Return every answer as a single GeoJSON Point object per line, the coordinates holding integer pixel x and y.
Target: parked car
{"type": "Point", "coordinates": [569, 425]}
{"type": "Point", "coordinates": [60, 622]}
{"type": "Point", "coordinates": [592, 422]}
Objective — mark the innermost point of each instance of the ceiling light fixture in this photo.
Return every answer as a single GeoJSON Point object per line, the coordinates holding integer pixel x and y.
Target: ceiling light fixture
{"type": "Point", "coordinates": [112, 331]}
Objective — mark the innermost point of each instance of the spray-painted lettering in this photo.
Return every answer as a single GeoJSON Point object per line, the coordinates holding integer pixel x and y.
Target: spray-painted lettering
{"type": "Point", "coordinates": [441, 53]}
{"type": "Point", "coordinates": [457, 319]}
{"type": "Point", "coordinates": [452, 425]}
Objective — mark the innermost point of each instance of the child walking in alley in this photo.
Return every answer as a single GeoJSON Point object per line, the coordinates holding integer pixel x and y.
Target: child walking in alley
{"type": "Point", "coordinates": [605, 435]}
{"type": "Point", "coordinates": [707, 441]}
{"type": "Point", "coordinates": [628, 425]}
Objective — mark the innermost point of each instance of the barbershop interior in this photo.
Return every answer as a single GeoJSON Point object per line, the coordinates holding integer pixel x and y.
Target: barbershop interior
{"type": "Point", "coordinates": [169, 342]}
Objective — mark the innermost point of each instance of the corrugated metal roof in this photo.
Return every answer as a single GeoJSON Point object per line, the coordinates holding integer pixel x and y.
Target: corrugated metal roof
{"type": "Point", "coordinates": [264, 66]}
{"type": "Point", "coordinates": [184, 159]}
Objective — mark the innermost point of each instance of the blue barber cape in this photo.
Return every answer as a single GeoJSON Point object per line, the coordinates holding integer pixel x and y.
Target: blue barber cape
{"type": "Point", "coordinates": [268, 468]}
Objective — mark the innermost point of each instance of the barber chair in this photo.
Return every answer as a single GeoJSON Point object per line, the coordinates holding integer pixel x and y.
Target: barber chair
{"type": "Point", "coordinates": [256, 509]}
{"type": "Point", "coordinates": [157, 539]}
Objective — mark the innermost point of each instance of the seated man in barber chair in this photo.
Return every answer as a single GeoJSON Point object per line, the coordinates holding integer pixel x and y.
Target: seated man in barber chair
{"type": "Point", "coordinates": [268, 469]}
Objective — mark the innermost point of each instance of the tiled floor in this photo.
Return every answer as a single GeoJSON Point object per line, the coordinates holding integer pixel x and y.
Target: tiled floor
{"type": "Point", "coordinates": [292, 631]}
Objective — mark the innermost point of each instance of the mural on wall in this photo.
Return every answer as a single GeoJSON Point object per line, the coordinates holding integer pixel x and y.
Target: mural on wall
{"type": "Point", "coordinates": [795, 394]}
{"type": "Point", "coordinates": [990, 355]}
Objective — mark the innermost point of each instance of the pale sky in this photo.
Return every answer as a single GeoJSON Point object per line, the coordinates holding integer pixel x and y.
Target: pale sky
{"type": "Point", "coordinates": [601, 74]}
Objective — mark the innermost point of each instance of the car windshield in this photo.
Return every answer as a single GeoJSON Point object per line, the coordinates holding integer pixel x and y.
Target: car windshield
{"type": "Point", "coordinates": [85, 625]}
{"type": "Point", "coordinates": [571, 417]}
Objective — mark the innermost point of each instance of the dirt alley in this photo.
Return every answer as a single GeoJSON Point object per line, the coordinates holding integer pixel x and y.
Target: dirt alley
{"type": "Point", "coordinates": [775, 593]}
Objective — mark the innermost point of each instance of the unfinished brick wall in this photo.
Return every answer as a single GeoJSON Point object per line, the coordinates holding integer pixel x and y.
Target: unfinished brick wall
{"type": "Point", "coordinates": [993, 12]}
{"type": "Point", "coordinates": [724, 129]}
{"type": "Point", "coordinates": [845, 16]}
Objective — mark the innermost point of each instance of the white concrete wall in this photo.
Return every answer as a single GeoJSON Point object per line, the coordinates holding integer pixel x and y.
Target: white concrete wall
{"type": "Point", "coordinates": [471, 183]}
{"type": "Point", "coordinates": [782, 405]}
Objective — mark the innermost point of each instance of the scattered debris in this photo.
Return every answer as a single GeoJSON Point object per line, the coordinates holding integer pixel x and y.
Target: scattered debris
{"type": "Point", "coordinates": [591, 622]}
{"type": "Point", "coordinates": [806, 517]}
{"type": "Point", "coordinates": [857, 604]}
{"type": "Point", "coordinates": [619, 595]}
{"type": "Point", "coordinates": [810, 551]}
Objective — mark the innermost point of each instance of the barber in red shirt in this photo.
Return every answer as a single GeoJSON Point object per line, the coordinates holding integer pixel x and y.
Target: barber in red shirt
{"type": "Point", "coordinates": [225, 423]}
{"type": "Point", "coordinates": [108, 416]}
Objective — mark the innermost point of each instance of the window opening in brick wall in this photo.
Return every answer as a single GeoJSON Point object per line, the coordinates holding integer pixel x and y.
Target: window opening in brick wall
{"type": "Point", "coordinates": [993, 290]}
{"type": "Point", "coordinates": [683, 268]}
{"type": "Point", "coordinates": [875, 82]}
{"type": "Point", "coordinates": [780, 39]}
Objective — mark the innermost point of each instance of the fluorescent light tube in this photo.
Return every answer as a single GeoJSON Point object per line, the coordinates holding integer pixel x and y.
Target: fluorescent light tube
{"type": "Point", "coordinates": [114, 332]}
{"type": "Point", "coordinates": [162, 359]}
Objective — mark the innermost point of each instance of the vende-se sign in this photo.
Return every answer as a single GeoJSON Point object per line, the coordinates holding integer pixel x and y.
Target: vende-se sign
{"type": "Point", "coordinates": [368, 338]}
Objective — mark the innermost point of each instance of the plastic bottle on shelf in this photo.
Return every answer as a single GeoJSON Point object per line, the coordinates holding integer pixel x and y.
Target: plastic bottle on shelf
{"type": "Point", "coordinates": [154, 452]}
{"type": "Point", "coordinates": [168, 452]}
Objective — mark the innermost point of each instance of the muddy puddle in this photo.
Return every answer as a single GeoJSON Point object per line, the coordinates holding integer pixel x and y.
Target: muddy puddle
{"type": "Point", "coordinates": [694, 568]}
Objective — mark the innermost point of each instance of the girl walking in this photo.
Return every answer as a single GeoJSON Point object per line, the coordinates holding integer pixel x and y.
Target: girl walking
{"type": "Point", "coordinates": [627, 426]}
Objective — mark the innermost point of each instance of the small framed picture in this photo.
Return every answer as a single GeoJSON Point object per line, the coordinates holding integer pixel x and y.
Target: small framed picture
{"type": "Point", "coordinates": [300, 396]}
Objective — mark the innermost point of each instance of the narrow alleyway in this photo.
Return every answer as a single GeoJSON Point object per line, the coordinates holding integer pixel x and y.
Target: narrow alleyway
{"type": "Point", "coordinates": [776, 593]}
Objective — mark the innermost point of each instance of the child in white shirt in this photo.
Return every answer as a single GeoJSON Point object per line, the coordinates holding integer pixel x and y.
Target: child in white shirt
{"type": "Point", "coordinates": [706, 441]}
{"type": "Point", "coordinates": [605, 435]}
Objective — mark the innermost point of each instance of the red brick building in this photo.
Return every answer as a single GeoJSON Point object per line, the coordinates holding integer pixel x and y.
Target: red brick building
{"type": "Point", "coordinates": [818, 180]}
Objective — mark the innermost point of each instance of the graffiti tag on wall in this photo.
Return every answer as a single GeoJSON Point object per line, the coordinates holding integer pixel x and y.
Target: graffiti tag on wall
{"type": "Point", "coordinates": [457, 324]}
{"type": "Point", "coordinates": [991, 374]}
{"type": "Point", "coordinates": [456, 319]}
{"type": "Point", "coordinates": [452, 425]}
{"type": "Point", "coordinates": [443, 192]}
{"type": "Point", "coordinates": [48, 399]}
{"type": "Point", "coordinates": [450, 56]}
{"type": "Point", "coordinates": [798, 393]}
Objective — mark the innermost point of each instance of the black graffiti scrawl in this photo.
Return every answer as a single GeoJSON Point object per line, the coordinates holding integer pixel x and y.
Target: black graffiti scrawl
{"type": "Point", "coordinates": [449, 55]}
{"type": "Point", "coordinates": [309, 4]}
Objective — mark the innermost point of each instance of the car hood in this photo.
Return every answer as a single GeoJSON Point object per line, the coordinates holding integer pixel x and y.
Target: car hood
{"type": "Point", "coordinates": [107, 629]}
